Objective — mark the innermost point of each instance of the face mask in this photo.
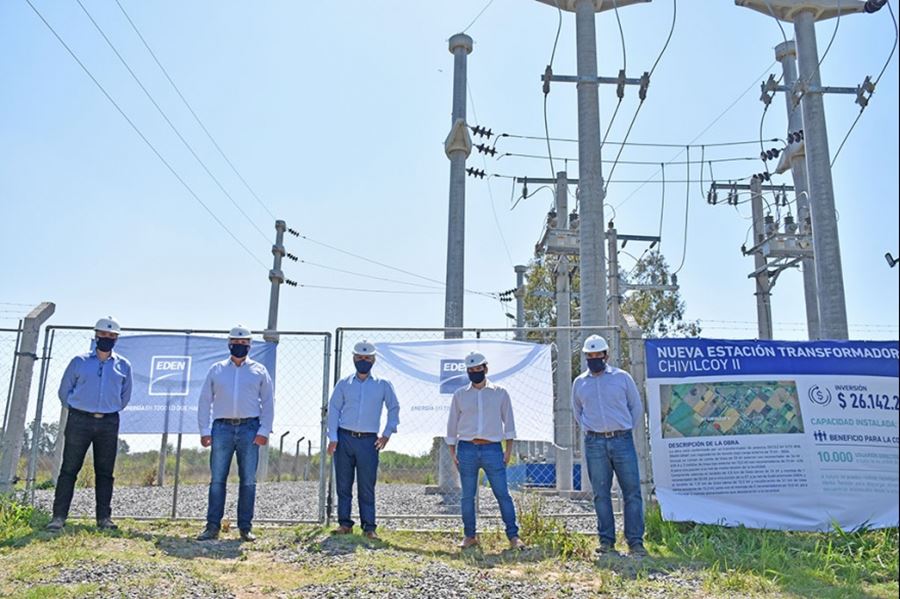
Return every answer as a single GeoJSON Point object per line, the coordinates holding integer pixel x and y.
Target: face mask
{"type": "Point", "coordinates": [239, 351]}
{"type": "Point", "coordinates": [596, 364]}
{"type": "Point", "coordinates": [105, 343]}
{"type": "Point", "coordinates": [477, 377]}
{"type": "Point", "coordinates": [363, 366]}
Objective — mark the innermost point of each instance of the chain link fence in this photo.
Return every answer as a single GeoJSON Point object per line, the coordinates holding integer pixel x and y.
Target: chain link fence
{"type": "Point", "coordinates": [9, 346]}
{"type": "Point", "coordinates": [418, 485]}
{"type": "Point", "coordinates": [166, 474]}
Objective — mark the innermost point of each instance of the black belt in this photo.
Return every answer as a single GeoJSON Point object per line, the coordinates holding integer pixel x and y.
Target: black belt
{"type": "Point", "coordinates": [356, 434]}
{"type": "Point", "coordinates": [609, 434]}
{"type": "Point", "coordinates": [97, 415]}
{"type": "Point", "coordinates": [236, 421]}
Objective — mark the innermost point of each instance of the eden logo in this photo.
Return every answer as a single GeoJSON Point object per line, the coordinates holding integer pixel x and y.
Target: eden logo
{"type": "Point", "coordinates": [452, 376]}
{"type": "Point", "coordinates": [170, 375]}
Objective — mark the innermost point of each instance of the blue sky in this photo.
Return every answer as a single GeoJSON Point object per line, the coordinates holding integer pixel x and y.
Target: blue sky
{"type": "Point", "coordinates": [336, 113]}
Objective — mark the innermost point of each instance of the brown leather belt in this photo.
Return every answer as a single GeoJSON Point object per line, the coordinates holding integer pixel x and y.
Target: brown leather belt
{"type": "Point", "coordinates": [482, 442]}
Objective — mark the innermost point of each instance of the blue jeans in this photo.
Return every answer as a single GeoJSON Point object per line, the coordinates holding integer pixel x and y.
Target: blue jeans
{"type": "Point", "coordinates": [488, 457]}
{"type": "Point", "coordinates": [356, 456]}
{"type": "Point", "coordinates": [606, 456]}
{"type": "Point", "coordinates": [228, 440]}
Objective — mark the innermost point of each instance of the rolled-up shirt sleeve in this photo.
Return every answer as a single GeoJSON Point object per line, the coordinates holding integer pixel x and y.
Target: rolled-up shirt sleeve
{"type": "Point", "coordinates": [506, 415]}
{"type": "Point", "coordinates": [266, 405]}
{"type": "Point", "coordinates": [453, 420]}
{"type": "Point", "coordinates": [204, 405]}
{"type": "Point", "coordinates": [393, 410]}
{"type": "Point", "coordinates": [126, 386]}
{"type": "Point", "coordinates": [335, 403]}
{"type": "Point", "coordinates": [633, 400]}
{"type": "Point", "coordinates": [68, 382]}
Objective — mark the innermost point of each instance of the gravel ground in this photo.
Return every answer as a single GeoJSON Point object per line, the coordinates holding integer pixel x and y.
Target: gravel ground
{"type": "Point", "coordinates": [298, 501]}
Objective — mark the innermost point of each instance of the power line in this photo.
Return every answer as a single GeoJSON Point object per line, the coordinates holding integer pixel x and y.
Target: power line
{"type": "Point", "coordinates": [362, 290]}
{"type": "Point", "coordinates": [194, 113]}
{"type": "Point", "coordinates": [142, 136]}
{"type": "Point", "coordinates": [478, 16]}
{"type": "Point", "coordinates": [368, 276]}
{"type": "Point", "coordinates": [655, 145]}
{"type": "Point", "coordinates": [874, 86]}
{"type": "Point", "coordinates": [704, 130]}
{"type": "Point", "coordinates": [687, 196]}
{"type": "Point", "coordinates": [490, 191]}
{"type": "Point", "coordinates": [383, 265]}
{"type": "Point", "coordinates": [168, 120]}
{"type": "Point", "coordinates": [640, 162]}
{"type": "Point", "coordinates": [546, 88]}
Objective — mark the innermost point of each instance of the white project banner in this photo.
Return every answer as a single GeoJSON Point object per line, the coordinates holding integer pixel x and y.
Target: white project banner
{"type": "Point", "coordinates": [426, 373]}
{"type": "Point", "coordinates": [775, 434]}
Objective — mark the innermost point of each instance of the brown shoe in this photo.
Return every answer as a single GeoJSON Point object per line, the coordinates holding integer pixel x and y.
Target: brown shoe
{"type": "Point", "coordinates": [516, 544]}
{"type": "Point", "coordinates": [468, 542]}
{"type": "Point", "coordinates": [342, 530]}
{"type": "Point", "coordinates": [370, 534]}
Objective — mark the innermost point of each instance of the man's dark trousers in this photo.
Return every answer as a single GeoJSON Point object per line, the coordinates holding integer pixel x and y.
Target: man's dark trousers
{"type": "Point", "coordinates": [82, 431]}
{"type": "Point", "coordinates": [356, 455]}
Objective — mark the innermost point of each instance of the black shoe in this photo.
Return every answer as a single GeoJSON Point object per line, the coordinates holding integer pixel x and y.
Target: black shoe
{"type": "Point", "coordinates": [637, 550]}
{"type": "Point", "coordinates": [247, 536]}
{"type": "Point", "coordinates": [106, 524]}
{"type": "Point", "coordinates": [209, 534]}
{"type": "Point", "coordinates": [56, 524]}
{"type": "Point", "coordinates": [606, 549]}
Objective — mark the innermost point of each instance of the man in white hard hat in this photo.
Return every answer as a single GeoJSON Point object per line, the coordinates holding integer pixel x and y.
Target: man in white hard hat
{"type": "Point", "coordinates": [238, 396]}
{"type": "Point", "coordinates": [481, 416]}
{"type": "Point", "coordinates": [95, 388]}
{"type": "Point", "coordinates": [608, 407]}
{"type": "Point", "coordinates": [354, 416]}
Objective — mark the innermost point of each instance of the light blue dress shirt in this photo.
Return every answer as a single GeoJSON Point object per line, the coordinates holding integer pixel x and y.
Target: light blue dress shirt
{"type": "Point", "coordinates": [94, 386]}
{"type": "Point", "coordinates": [606, 402]}
{"type": "Point", "coordinates": [356, 405]}
{"type": "Point", "coordinates": [231, 391]}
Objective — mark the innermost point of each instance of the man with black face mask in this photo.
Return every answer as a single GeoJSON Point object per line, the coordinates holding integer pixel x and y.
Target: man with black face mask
{"type": "Point", "coordinates": [354, 415]}
{"type": "Point", "coordinates": [238, 391]}
{"type": "Point", "coordinates": [95, 387]}
{"type": "Point", "coordinates": [607, 405]}
{"type": "Point", "coordinates": [481, 416]}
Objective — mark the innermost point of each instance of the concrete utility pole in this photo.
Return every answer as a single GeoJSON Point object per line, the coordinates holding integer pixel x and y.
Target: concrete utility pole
{"type": "Point", "coordinates": [276, 277]}
{"type": "Point", "coordinates": [826, 244]}
{"type": "Point", "coordinates": [563, 420]}
{"type": "Point", "coordinates": [11, 445]}
{"type": "Point", "coordinates": [763, 294]}
{"type": "Point", "coordinates": [615, 297]}
{"type": "Point", "coordinates": [520, 301]}
{"type": "Point", "coordinates": [457, 146]}
{"type": "Point", "coordinates": [592, 254]}
{"type": "Point", "coordinates": [795, 159]}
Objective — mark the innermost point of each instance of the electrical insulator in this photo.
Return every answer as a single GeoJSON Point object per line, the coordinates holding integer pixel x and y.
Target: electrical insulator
{"type": "Point", "coordinates": [769, 225]}
{"type": "Point", "coordinates": [573, 220]}
{"type": "Point", "coordinates": [645, 83]}
{"type": "Point", "coordinates": [293, 232]}
{"type": "Point", "coordinates": [551, 219]}
{"type": "Point", "coordinates": [474, 172]}
{"type": "Point", "coordinates": [292, 257]}
{"type": "Point", "coordinates": [548, 73]}
{"type": "Point", "coordinates": [789, 225]}
{"type": "Point", "coordinates": [525, 187]}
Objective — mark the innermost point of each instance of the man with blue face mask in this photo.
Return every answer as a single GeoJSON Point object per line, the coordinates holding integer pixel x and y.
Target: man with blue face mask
{"type": "Point", "coordinates": [354, 416]}
{"type": "Point", "coordinates": [607, 405]}
{"type": "Point", "coordinates": [238, 392]}
{"type": "Point", "coordinates": [481, 416]}
{"type": "Point", "coordinates": [95, 388]}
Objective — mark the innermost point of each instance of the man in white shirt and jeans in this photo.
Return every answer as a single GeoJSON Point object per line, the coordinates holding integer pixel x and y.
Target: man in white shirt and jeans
{"type": "Point", "coordinates": [481, 416]}
{"type": "Point", "coordinates": [238, 392]}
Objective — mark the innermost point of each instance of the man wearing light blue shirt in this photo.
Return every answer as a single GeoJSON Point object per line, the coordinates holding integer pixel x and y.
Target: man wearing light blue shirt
{"type": "Point", "coordinates": [608, 407]}
{"type": "Point", "coordinates": [354, 417]}
{"type": "Point", "coordinates": [95, 388]}
{"type": "Point", "coordinates": [238, 396]}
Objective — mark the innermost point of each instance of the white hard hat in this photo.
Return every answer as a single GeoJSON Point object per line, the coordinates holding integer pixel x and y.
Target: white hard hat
{"type": "Point", "coordinates": [475, 359]}
{"type": "Point", "coordinates": [364, 348]}
{"type": "Point", "coordinates": [595, 343]}
{"type": "Point", "coordinates": [240, 332]}
{"type": "Point", "coordinates": [108, 324]}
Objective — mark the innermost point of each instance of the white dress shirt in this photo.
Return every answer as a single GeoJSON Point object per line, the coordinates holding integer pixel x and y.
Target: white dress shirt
{"type": "Point", "coordinates": [484, 413]}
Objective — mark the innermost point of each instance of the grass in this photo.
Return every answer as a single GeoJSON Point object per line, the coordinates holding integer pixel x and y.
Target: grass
{"type": "Point", "coordinates": [688, 560]}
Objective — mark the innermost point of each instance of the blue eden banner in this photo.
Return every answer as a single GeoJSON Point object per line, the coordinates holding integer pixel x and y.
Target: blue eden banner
{"type": "Point", "coordinates": [169, 371]}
